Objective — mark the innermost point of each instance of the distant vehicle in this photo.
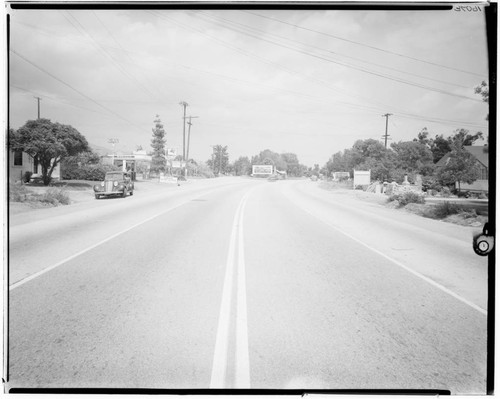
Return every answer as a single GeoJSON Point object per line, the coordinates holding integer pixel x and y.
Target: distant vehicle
{"type": "Point", "coordinates": [115, 183]}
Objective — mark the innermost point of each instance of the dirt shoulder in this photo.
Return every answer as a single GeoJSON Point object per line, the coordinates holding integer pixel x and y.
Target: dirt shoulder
{"type": "Point", "coordinates": [78, 191]}
{"type": "Point", "coordinates": [423, 210]}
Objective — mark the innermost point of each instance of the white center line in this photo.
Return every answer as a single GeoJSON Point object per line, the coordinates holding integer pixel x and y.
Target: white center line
{"type": "Point", "coordinates": [219, 364]}
{"type": "Point", "coordinates": [242, 356]}
{"type": "Point", "coordinates": [221, 352]}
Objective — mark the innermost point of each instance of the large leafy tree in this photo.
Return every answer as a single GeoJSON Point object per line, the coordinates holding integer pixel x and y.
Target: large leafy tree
{"type": "Point", "coordinates": [158, 159]}
{"type": "Point", "coordinates": [413, 157]}
{"type": "Point", "coordinates": [268, 157]}
{"type": "Point", "coordinates": [364, 154]}
{"type": "Point", "coordinates": [440, 145]}
{"type": "Point", "coordinates": [242, 166]}
{"type": "Point", "coordinates": [293, 167]}
{"type": "Point", "coordinates": [220, 159]}
{"type": "Point", "coordinates": [47, 142]}
{"type": "Point", "coordinates": [461, 166]}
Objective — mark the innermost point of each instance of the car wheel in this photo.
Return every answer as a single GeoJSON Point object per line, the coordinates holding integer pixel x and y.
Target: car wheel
{"type": "Point", "coordinates": [132, 192]}
{"type": "Point", "coordinates": [97, 196]}
{"type": "Point", "coordinates": [124, 193]}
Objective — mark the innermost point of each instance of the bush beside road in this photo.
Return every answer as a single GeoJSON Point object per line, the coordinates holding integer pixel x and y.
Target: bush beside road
{"type": "Point", "coordinates": [30, 197]}
{"type": "Point", "coordinates": [450, 210]}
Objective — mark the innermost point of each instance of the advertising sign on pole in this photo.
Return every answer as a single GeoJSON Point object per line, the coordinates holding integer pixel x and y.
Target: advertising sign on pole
{"type": "Point", "coordinates": [361, 178]}
{"type": "Point", "coordinates": [262, 169]}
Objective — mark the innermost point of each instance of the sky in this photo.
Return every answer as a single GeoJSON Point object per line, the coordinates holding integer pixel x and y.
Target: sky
{"type": "Point", "coordinates": [309, 82]}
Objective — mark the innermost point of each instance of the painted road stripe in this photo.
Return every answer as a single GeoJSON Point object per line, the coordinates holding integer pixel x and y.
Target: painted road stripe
{"type": "Point", "coordinates": [221, 352]}
{"type": "Point", "coordinates": [48, 269]}
{"type": "Point", "coordinates": [242, 378]}
{"type": "Point", "coordinates": [415, 273]}
{"type": "Point", "coordinates": [219, 364]}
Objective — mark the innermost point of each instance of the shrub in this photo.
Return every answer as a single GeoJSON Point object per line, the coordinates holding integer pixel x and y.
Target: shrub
{"type": "Point", "coordinates": [18, 193]}
{"type": "Point", "coordinates": [468, 213]}
{"type": "Point", "coordinates": [88, 172]}
{"type": "Point", "coordinates": [445, 192]}
{"type": "Point", "coordinates": [409, 197]}
{"type": "Point", "coordinates": [446, 208]}
{"type": "Point", "coordinates": [55, 196]}
{"type": "Point", "coordinates": [430, 184]}
{"type": "Point", "coordinates": [27, 176]}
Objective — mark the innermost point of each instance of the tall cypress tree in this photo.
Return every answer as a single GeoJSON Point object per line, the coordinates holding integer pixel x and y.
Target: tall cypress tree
{"type": "Point", "coordinates": [158, 162]}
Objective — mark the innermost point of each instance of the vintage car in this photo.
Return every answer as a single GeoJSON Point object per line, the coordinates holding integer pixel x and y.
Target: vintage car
{"type": "Point", "coordinates": [115, 183]}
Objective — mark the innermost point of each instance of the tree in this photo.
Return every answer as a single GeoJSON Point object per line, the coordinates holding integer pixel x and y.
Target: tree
{"type": "Point", "coordinates": [484, 91]}
{"type": "Point", "coordinates": [47, 142]}
{"type": "Point", "coordinates": [464, 137]}
{"type": "Point", "coordinates": [242, 166]}
{"type": "Point", "coordinates": [413, 157]}
{"type": "Point", "coordinates": [423, 137]}
{"type": "Point", "coordinates": [83, 158]}
{"type": "Point", "coordinates": [364, 155]}
{"type": "Point", "coordinates": [292, 164]}
{"type": "Point", "coordinates": [158, 160]}
{"type": "Point", "coordinates": [268, 157]}
{"type": "Point", "coordinates": [461, 166]}
{"type": "Point", "coordinates": [440, 146]}
{"type": "Point", "coordinates": [220, 159]}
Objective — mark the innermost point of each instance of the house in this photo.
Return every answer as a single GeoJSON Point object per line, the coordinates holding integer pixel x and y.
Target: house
{"type": "Point", "coordinates": [20, 163]}
{"type": "Point", "coordinates": [482, 158]}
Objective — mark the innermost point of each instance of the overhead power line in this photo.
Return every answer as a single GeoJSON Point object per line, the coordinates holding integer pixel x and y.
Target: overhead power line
{"type": "Point", "coordinates": [46, 97]}
{"type": "Point", "coordinates": [80, 28]}
{"type": "Point", "coordinates": [72, 88]}
{"type": "Point", "coordinates": [322, 82]}
{"type": "Point", "coordinates": [326, 50]}
{"type": "Point", "coordinates": [365, 45]}
{"type": "Point", "coordinates": [259, 37]}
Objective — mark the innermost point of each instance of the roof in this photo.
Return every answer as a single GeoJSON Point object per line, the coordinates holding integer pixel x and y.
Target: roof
{"type": "Point", "coordinates": [480, 153]}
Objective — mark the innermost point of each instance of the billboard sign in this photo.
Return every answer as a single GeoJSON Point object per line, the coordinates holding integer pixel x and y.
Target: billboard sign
{"type": "Point", "coordinates": [262, 169]}
{"type": "Point", "coordinates": [361, 178]}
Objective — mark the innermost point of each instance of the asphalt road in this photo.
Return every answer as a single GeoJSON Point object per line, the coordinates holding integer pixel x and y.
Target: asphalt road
{"type": "Point", "coordinates": [238, 283]}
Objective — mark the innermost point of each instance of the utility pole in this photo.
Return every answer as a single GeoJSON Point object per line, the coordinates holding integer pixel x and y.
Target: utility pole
{"type": "Point", "coordinates": [184, 104]}
{"type": "Point", "coordinates": [38, 101]}
{"type": "Point", "coordinates": [189, 136]}
{"type": "Point", "coordinates": [386, 136]}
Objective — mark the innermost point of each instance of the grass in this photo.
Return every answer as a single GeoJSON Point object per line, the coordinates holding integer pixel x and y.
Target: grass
{"type": "Point", "coordinates": [444, 209]}
{"type": "Point", "coordinates": [53, 196]}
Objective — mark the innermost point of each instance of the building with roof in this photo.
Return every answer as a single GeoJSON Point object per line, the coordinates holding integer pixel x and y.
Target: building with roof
{"type": "Point", "coordinates": [481, 154]}
{"type": "Point", "coordinates": [21, 163]}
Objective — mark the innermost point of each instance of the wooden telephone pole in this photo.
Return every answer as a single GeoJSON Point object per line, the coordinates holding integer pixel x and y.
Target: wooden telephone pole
{"type": "Point", "coordinates": [386, 136]}
{"type": "Point", "coordinates": [189, 136]}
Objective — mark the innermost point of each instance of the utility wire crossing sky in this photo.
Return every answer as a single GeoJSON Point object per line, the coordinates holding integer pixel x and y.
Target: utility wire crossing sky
{"type": "Point", "coordinates": [309, 82]}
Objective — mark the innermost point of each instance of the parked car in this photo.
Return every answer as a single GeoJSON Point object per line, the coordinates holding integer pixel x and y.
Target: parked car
{"type": "Point", "coordinates": [115, 183]}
